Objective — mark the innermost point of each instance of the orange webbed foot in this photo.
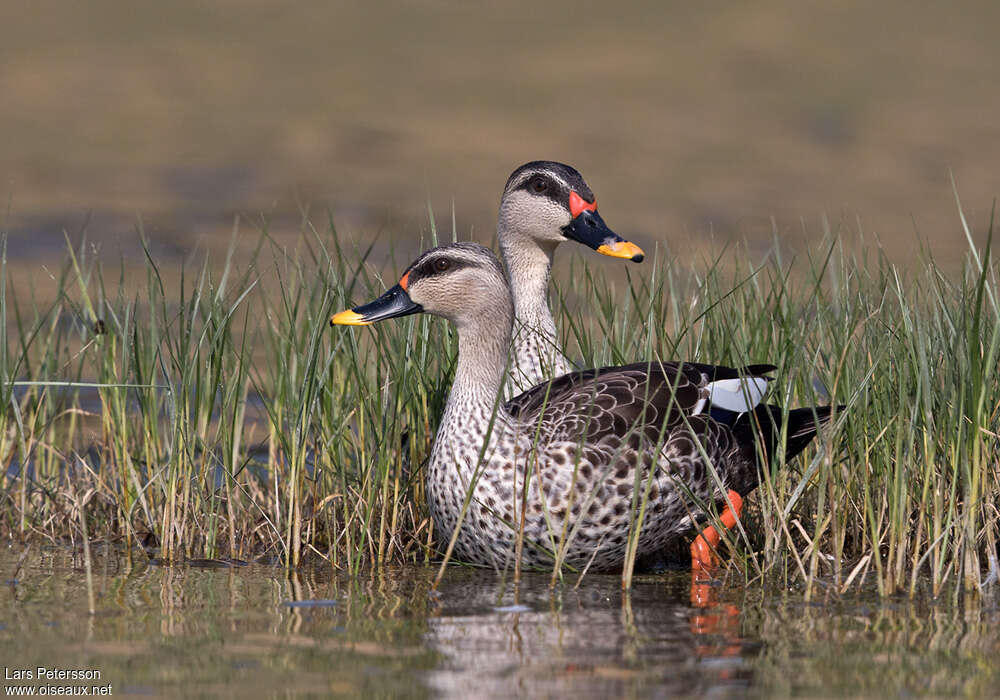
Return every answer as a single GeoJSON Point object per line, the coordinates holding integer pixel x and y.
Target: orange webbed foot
{"type": "Point", "coordinates": [703, 555]}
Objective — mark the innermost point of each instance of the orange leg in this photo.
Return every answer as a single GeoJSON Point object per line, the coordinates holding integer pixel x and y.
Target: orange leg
{"type": "Point", "coordinates": [703, 548]}
{"type": "Point", "coordinates": [703, 557]}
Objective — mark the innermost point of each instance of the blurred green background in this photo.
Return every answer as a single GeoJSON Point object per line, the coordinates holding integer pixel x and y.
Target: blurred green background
{"type": "Point", "coordinates": [692, 122]}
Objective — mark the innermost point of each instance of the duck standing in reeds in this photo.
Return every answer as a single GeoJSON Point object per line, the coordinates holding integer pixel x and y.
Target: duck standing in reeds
{"type": "Point", "coordinates": [564, 472]}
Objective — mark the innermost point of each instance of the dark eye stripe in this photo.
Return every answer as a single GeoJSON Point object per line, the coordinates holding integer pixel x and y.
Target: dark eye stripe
{"type": "Point", "coordinates": [555, 191]}
{"type": "Point", "coordinates": [428, 269]}
{"type": "Point", "coordinates": [567, 174]}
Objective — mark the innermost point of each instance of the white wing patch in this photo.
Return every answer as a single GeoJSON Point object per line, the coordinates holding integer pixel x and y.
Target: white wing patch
{"type": "Point", "coordinates": [739, 395]}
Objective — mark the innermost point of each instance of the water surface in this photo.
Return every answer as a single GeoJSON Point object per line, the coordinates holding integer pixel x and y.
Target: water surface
{"type": "Point", "coordinates": [224, 630]}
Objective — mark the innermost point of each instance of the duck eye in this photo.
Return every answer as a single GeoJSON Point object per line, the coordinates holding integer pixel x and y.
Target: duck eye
{"type": "Point", "coordinates": [442, 265]}
{"type": "Point", "coordinates": [539, 185]}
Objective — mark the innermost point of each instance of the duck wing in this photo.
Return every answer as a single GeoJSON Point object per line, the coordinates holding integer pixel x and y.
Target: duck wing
{"type": "Point", "coordinates": [641, 399]}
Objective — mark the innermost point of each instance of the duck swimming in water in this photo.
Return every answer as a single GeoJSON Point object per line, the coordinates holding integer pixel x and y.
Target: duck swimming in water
{"type": "Point", "coordinates": [572, 463]}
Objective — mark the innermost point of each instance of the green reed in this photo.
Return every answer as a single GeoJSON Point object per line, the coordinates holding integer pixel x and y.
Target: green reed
{"type": "Point", "coordinates": [211, 411]}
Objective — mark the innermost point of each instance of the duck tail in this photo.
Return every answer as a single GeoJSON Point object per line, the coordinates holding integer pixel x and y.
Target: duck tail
{"type": "Point", "coordinates": [766, 421]}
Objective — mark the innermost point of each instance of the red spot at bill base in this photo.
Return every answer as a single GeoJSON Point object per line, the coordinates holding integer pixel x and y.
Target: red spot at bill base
{"type": "Point", "coordinates": [578, 205]}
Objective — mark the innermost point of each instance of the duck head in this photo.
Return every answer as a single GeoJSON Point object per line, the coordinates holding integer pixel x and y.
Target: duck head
{"type": "Point", "coordinates": [546, 203]}
{"type": "Point", "coordinates": [461, 282]}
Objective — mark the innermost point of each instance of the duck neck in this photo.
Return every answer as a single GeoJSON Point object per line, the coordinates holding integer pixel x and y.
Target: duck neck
{"type": "Point", "coordinates": [529, 268]}
{"type": "Point", "coordinates": [536, 353]}
{"type": "Point", "coordinates": [483, 344]}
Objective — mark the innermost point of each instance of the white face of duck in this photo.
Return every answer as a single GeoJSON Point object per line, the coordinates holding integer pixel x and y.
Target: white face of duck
{"type": "Point", "coordinates": [547, 203]}
{"type": "Point", "coordinates": [462, 282]}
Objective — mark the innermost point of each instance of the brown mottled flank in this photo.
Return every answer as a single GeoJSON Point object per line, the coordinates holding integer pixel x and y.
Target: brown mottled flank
{"type": "Point", "coordinates": [580, 451]}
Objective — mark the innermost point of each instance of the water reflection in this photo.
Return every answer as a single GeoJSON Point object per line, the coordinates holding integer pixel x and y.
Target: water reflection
{"type": "Point", "coordinates": [252, 630]}
{"type": "Point", "coordinates": [595, 640]}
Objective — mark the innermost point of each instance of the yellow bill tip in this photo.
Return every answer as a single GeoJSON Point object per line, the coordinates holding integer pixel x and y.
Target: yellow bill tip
{"type": "Point", "coordinates": [622, 249]}
{"type": "Point", "coordinates": [348, 318]}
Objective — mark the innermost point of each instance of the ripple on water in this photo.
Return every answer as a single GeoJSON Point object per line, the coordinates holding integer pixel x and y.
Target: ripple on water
{"type": "Point", "coordinates": [235, 630]}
